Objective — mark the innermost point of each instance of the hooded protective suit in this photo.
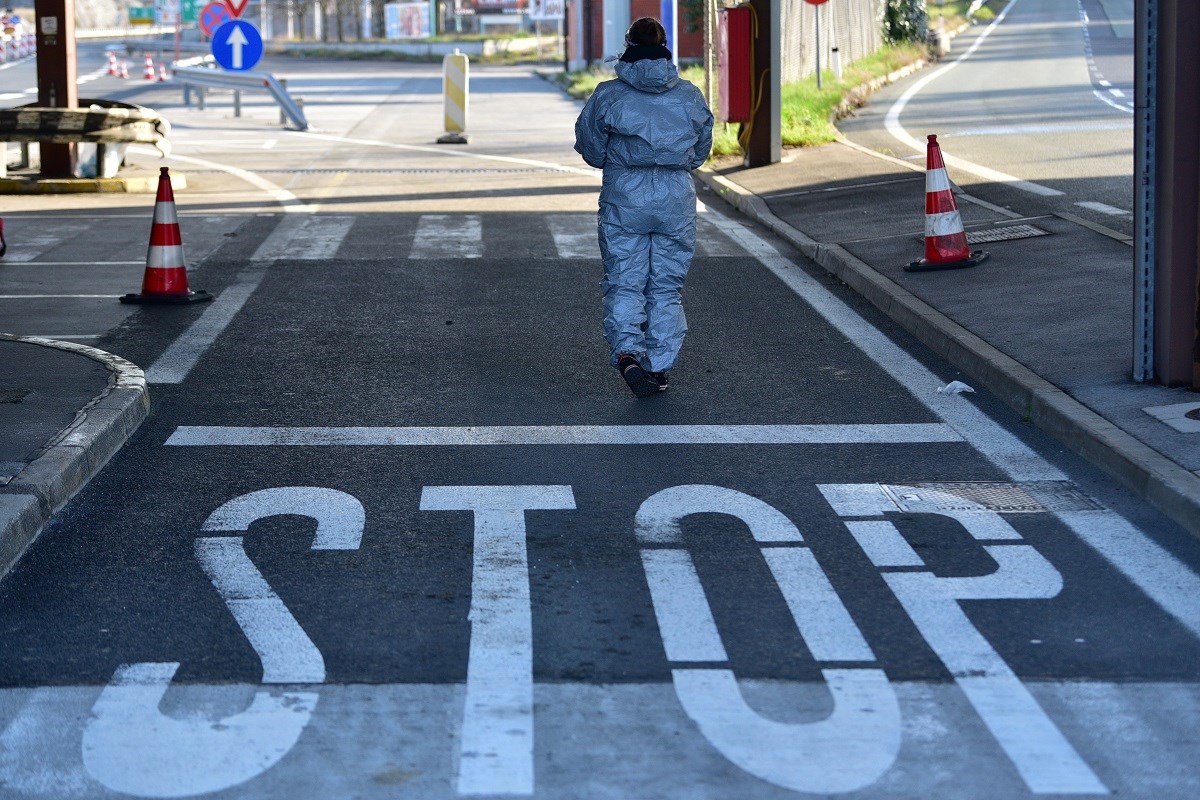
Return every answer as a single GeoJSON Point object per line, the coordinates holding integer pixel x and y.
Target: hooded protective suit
{"type": "Point", "coordinates": [647, 130]}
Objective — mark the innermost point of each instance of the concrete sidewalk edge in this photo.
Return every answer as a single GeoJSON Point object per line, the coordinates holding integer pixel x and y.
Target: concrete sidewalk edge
{"type": "Point", "coordinates": [1166, 485]}
{"type": "Point", "coordinates": [74, 455]}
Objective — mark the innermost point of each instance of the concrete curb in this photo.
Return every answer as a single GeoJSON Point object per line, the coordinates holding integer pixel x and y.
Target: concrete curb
{"type": "Point", "coordinates": [146, 184]}
{"type": "Point", "coordinates": [74, 455]}
{"type": "Point", "coordinates": [1164, 484]}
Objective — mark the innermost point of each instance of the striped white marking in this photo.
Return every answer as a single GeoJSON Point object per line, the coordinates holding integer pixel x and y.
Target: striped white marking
{"type": "Point", "coordinates": [848, 749]}
{"type": "Point", "coordinates": [711, 243]}
{"type": "Point", "coordinates": [915, 433]}
{"type": "Point", "coordinates": [317, 238]}
{"type": "Point", "coordinates": [1162, 577]}
{"type": "Point", "coordinates": [1046, 761]}
{"type": "Point", "coordinates": [291, 203]}
{"type": "Point", "coordinates": [943, 224]}
{"type": "Point", "coordinates": [1104, 208]}
{"type": "Point", "coordinates": [936, 180]}
{"type": "Point", "coordinates": [892, 121]}
{"type": "Point", "coordinates": [178, 360]}
{"type": "Point", "coordinates": [685, 620]}
{"type": "Point", "coordinates": [824, 623]}
{"type": "Point", "coordinates": [448, 236]}
{"type": "Point", "coordinates": [1026, 130]}
{"type": "Point", "coordinates": [89, 263]}
{"type": "Point", "coordinates": [450, 153]}
{"type": "Point", "coordinates": [26, 244]}
{"type": "Point", "coordinates": [884, 545]}
{"type": "Point", "coordinates": [11, 95]}
{"type": "Point", "coordinates": [497, 729]}
{"type": "Point", "coordinates": [132, 747]}
{"type": "Point", "coordinates": [1104, 83]}
{"type": "Point", "coordinates": [1116, 92]}
{"type": "Point", "coordinates": [575, 235]}
{"type": "Point", "coordinates": [287, 654]}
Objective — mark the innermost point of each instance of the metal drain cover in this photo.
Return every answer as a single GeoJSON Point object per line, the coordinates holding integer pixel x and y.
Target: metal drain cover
{"type": "Point", "coordinates": [1005, 233]}
{"type": "Point", "coordinates": [1029, 497]}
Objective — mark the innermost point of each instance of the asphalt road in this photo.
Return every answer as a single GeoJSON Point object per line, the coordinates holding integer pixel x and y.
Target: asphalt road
{"type": "Point", "coordinates": [396, 529]}
{"type": "Point", "coordinates": [1034, 113]}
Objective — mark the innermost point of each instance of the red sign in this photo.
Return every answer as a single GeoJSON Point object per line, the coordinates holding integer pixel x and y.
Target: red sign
{"type": "Point", "coordinates": [213, 16]}
{"type": "Point", "coordinates": [236, 7]}
{"type": "Point", "coordinates": [814, 2]}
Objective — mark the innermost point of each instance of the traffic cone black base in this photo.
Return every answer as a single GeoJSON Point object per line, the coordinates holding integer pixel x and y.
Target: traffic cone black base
{"type": "Point", "coordinates": [977, 257]}
{"type": "Point", "coordinates": [166, 299]}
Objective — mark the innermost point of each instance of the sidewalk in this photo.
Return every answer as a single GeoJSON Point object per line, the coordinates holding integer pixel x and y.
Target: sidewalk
{"type": "Point", "coordinates": [65, 409]}
{"type": "Point", "coordinates": [1045, 324]}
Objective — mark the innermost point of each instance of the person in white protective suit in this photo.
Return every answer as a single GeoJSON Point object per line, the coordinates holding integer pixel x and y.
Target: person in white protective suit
{"type": "Point", "coordinates": [647, 130]}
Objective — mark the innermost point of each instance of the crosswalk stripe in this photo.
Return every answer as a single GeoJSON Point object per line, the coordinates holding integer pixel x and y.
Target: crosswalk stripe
{"type": "Point", "coordinates": [574, 235]}
{"type": "Point", "coordinates": [317, 239]}
{"type": "Point", "coordinates": [448, 236]}
{"type": "Point", "coordinates": [29, 244]}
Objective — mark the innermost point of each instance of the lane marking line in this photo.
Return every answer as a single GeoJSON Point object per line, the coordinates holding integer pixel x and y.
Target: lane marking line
{"type": "Point", "coordinates": [591, 173]}
{"type": "Point", "coordinates": [892, 122]}
{"type": "Point", "coordinates": [178, 360]}
{"type": "Point", "coordinates": [1104, 208]}
{"type": "Point", "coordinates": [223, 436]}
{"type": "Point", "coordinates": [290, 202]}
{"type": "Point", "coordinates": [1156, 572]}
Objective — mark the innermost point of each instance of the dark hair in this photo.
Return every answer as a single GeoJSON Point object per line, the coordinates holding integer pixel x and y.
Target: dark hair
{"type": "Point", "coordinates": [646, 31]}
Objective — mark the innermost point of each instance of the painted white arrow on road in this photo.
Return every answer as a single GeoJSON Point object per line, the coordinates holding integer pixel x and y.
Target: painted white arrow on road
{"type": "Point", "coordinates": [237, 40]}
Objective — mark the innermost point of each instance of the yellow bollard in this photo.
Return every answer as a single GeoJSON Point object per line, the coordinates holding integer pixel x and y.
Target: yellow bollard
{"type": "Point", "coordinates": [456, 92]}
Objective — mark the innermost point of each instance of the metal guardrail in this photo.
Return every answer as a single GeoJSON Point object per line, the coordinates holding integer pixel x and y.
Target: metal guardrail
{"type": "Point", "coordinates": [207, 77]}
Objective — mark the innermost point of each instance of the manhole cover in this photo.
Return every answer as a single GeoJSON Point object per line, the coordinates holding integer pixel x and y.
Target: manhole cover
{"type": "Point", "coordinates": [1029, 497]}
{"type": "Point", "coordinates": [1005, 233]}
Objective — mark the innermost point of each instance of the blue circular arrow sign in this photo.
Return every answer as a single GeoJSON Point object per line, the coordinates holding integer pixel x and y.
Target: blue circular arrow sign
{"type": "Point", "coordinates": [236, 45]}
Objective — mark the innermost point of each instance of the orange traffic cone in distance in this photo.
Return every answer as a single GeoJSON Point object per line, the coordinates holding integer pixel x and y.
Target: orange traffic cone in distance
{"type": "Point", "coordinates": [162, 72]}
{"type": "Point", "coordinates": [165, 279]}
{"type": "Point", "coordinates": [112, 65]}
{"type": "Point", "coordinates": [148, 72]}
{"type": "Point", "coordinates": [946, 244]}
{"type": "Point", "coordinates": [124, 69]}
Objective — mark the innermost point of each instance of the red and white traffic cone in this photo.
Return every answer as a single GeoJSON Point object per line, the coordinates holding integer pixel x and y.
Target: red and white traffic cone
{"type": "Point", "coordinates": [148, 72]}
{"type": "Point", "coordinates": [112, 65]}
{"type": "Point", "coordinates": [162, 73]}
{"type": "Point", "coordinates": [945, 240]}
{"type": "Point", "coordinates": [124, 69]}
{"type": "Point", "coordinates": [165, 279]}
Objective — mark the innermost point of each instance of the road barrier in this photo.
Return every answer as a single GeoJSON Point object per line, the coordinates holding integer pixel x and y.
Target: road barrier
{"type": "Point", "coordinates": [456, 90]}
{"type": "Point", "coordinates": [206, 77]}
{"type": "Point", "coordinates": [106, 125]}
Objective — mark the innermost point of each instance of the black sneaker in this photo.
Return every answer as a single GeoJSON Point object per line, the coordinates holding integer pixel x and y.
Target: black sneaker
{"type": "Point", "coordinates": [639, 381]}
{"type": "Point", "coordinates": [662, 379]}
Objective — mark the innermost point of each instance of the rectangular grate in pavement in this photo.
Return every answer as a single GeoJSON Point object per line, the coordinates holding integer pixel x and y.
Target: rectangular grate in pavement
{"type": "Point", "coordinates": [1028, 497]}
{"type": "Point", "coordinates": [1005, 233]}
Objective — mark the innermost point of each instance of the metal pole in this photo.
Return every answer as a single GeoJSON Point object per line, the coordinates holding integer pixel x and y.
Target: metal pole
{"type": "Point", "coordinates": [818, 9]}
{"type": "Point", "coordinates": [708, 48]}
{"type": "Point", "coordinates": [1145, 184]}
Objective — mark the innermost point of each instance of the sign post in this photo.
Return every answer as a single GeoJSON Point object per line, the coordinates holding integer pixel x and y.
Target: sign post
{"type": "Point", "coordinates": [817, 9]}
